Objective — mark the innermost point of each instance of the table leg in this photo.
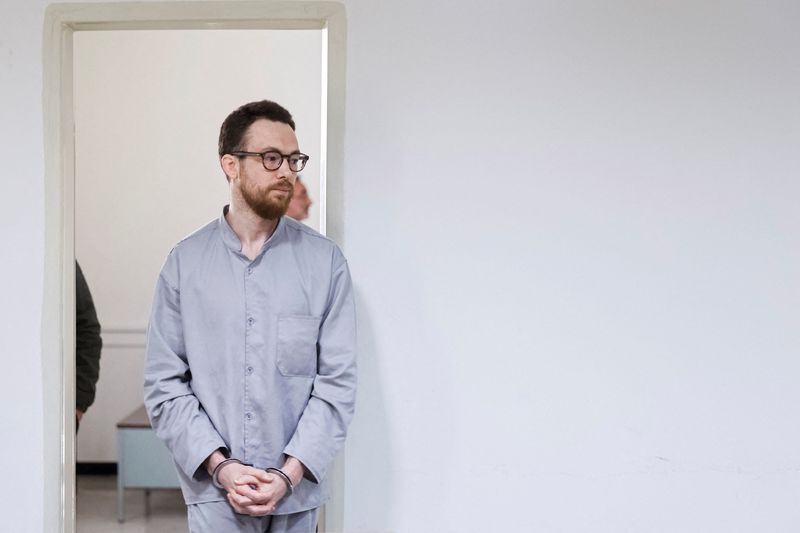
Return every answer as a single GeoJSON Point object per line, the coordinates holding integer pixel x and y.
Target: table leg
{"type": "Point", "coordinates": [120, 478]}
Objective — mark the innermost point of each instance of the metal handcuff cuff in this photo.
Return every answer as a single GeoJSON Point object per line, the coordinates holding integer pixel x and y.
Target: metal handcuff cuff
{"type": "Point", "coordinates": [277, 471]}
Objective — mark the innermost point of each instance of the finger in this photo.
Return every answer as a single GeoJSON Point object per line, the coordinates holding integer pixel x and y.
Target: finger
{"type": "Point", "coordinates": [264, 477]}
{"type": "Point", "coordinates": [246, 479]}
{"type": "Point", "coordinates": [253, 471]}
{"type": "Point", "coordinates": [248, 492]}
{"type": "Point", "coordinates": [236, 507]}
{"type": "Point", "coordinates": [251, 510]}
{"type": "Point", "coordinates": [240, 500]}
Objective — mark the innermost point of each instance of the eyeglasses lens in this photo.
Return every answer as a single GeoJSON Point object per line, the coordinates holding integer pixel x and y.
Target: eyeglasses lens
{"type": "Point", "coordinates": [297, 162]}
{"type": "Point", "coordinates": [274, 160]}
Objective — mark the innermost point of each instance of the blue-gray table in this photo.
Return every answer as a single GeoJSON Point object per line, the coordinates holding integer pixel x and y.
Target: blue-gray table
{"type": "Point", "coordinates": [143, 460]}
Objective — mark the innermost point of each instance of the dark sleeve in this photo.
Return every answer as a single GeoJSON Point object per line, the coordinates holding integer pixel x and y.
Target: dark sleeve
{"type": "Point", "coordinates": [87, 343]}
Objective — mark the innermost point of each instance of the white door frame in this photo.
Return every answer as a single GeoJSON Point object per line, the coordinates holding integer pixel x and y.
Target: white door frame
{"type": "Point", "coordinates": [58, 312]}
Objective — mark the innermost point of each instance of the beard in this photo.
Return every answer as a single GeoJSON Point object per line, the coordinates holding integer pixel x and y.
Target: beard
{"type": "Point", "coordinates": [259, 200]}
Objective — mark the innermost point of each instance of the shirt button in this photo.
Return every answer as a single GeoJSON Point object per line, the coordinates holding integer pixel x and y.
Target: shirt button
{"type": "Point", "coordinates": [249, 370]}
{"type": "Point", "coordinates": [249, 270]}
{"type": "Point", "coordinates": [248, 416]}
{"type": "Point", "coordinates": [251, 320]}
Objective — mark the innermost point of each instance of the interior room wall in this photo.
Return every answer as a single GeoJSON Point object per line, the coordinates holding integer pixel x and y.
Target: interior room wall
{"type": "Point", "coordinates": [573, 228]}
{"type": "Point", "coordinates": [149, 105]}
{"type": "Point", "coordinates": [573, 232]}
{"type": "Point", "coordinates": [22, 235]}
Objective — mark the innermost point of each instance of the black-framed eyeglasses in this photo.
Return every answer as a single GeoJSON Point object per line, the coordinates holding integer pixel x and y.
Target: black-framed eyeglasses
{"type": "Point", "coordinates": [273, 160]}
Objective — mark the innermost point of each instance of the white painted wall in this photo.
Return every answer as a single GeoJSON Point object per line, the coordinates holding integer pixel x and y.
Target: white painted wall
{"type": "Point", "coordinates": [149, 105]}
{"type": "Point", "coordinates": [576, 241]}
{"type": "Point", "coordinates": [22, 236]}
{"type": "Point", "coordinates": [574, 235]}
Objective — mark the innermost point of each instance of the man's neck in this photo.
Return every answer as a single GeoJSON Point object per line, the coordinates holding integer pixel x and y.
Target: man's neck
{"type": "Point", "coordinates": [252, 230]}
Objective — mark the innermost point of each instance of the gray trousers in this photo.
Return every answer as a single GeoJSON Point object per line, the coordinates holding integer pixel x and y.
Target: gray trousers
{"type": "Point", "coordinates": [216, 517]}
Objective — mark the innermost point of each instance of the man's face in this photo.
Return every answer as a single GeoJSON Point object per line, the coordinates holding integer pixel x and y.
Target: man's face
{"type": "Point", "coordinates": [300, 203]}
{"type": "Point", "coordinates": [267, 192]}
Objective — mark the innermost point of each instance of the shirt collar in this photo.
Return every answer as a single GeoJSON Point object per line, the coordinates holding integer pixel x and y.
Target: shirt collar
{"type": "Point", "coordinates": [232, 241]}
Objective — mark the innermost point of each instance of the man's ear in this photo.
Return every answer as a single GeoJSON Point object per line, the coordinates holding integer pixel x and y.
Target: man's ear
{"type": "Point", "coordinates": [230, 166]}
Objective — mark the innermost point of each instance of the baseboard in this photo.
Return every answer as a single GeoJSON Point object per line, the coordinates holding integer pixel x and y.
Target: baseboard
{"type": "Point", "coordinates": [96, 469]}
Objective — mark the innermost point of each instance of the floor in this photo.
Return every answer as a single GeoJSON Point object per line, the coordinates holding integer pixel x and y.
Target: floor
{"type": "Point", "coordinates": [97, 508]}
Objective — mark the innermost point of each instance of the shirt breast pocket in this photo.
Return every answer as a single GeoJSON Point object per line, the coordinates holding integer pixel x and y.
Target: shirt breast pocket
{"type": "Point", "coordinates": [297, 345]}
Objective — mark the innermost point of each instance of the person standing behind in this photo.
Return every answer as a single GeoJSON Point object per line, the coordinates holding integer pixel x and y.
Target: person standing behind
{"type": "Point", "coordinates": [300, 202]}
{"type": "Point", "coordinates": [88, 345]}
{"type": "Point", "coordinates": [250, 369]}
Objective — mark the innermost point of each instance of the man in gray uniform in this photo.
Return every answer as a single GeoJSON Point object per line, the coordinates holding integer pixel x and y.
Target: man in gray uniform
{"type": "Point", "coordinates": [250, 372]}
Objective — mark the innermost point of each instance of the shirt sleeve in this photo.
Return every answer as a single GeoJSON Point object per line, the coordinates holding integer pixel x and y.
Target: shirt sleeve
{"type": "Point", "coordinates": [175, 413]}
{"type": "Point", "coordinates": [322, 428]}
{"type": "Point", "coordinates": [88, 343]}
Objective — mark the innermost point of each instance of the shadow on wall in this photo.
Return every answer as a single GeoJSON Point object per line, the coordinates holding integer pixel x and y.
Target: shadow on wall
{"type": "Point", "coordinates": [370, 443]}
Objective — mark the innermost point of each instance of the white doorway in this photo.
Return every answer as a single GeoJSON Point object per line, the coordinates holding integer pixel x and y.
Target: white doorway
{"type": "Point", "coordinates": [148, 105]}
{"type": "Point", "coordinates": [134, 96]}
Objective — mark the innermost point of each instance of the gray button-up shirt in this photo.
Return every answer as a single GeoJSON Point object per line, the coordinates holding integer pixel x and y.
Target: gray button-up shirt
{"type": "Point", "coordinates": [254, 356]}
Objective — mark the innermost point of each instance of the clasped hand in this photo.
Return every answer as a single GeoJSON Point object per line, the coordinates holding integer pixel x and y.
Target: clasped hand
{"type": "Point", "coordinates": [251, 491]}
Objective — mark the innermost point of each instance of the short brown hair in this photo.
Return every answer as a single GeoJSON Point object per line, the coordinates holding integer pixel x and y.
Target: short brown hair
{"type": "Point", "coordinates": [231, 134]}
